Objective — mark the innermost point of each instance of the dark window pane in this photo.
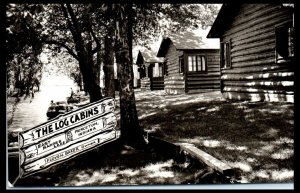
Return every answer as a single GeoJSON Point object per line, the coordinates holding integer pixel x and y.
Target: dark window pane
{"type": "Point", "coordinates": [282, 42]}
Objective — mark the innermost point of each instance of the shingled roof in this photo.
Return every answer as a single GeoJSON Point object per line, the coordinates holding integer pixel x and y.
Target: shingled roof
{"type": "Point", "coordinates": [188, 40]}
{"type": "Point", "coordinates": [148, 56]}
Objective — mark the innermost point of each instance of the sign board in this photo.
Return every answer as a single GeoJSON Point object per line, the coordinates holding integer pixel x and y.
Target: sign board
{"type": "Point", "coordinates": [67, 136]}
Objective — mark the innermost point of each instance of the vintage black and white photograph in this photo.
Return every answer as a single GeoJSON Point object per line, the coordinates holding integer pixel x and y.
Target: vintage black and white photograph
{"type": "Point", "coordinates": [149, 95]}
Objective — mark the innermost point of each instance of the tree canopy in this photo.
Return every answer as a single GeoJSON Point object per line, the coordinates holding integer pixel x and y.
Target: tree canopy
{"type": "Point", "coordinates": [81, 30]}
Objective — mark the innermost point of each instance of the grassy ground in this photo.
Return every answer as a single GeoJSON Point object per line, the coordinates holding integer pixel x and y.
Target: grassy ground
{"type": "Point", "coordinates": [255, 138]}
{"type": "Point", "coordinates": [120, 165]}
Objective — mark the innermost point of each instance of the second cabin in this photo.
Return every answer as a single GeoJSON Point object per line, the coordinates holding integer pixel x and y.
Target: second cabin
{"type": "Point", "coordinates": [151, 70]}
{"type": "Point", "coordinates": [191, 62]}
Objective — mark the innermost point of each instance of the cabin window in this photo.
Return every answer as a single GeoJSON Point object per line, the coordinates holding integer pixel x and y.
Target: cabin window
{"type": "Point", "coordinates": [181, 65]}
{"type": "Point", "coordinates": [196, 63]}
{"type": "Point", "coordinates": [284, 43]}
{"type": "Point", "coordinates": [225, 55]}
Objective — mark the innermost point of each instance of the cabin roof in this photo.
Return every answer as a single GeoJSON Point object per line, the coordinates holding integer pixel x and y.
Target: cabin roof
{"type": "Point", "coordinates": [225, 17]}
{"type": "Point", "coordinates": [146, 55]}
{"type": "Point", "coordinates": [188, 40]}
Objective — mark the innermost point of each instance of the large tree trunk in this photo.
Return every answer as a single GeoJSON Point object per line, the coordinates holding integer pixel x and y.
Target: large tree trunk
{"type": "Point", "coordinates": [90, 84]}
{"type": "Point", "coordinates": [83, 53]}
{"type": "Point", "coordinates": [131, 132]}
{"type": "Point", "coordinates": [89, 76]}
{"type": "Point", "coordinates": [108, 68]}
{"type": "Point", "coordinates": [95, 64]}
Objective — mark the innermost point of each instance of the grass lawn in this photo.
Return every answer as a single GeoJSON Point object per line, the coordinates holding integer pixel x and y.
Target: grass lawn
{"type": "Point", "coordinates": [119, 165]}
{"type": "Point", "coordinates": [113, 165]}
{"type": "Point", "coordinates": [254, 138]}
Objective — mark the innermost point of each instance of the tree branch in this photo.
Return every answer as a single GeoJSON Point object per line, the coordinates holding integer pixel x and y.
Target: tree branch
{"type": "Point", "coordinates": [75, 30]}
{"type": "Point", "coordinates": [73, 18]}
{"type": "Point", "coordinates": [95, 38]}
{"type": "Point", "coordinates": [68, 20]}
{"type": "Point", "coordinates": [70, 51]}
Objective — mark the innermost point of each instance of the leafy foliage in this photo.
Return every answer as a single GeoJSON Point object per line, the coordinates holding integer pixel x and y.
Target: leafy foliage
{"type": "Point", "coordinates": [152, 20]}
{"type": "Point", "coordinates": [76, 30]}
{"type": "Point", "coordinates": [23, 47]}
{"type": "Point", "coordinates": [39, 25]}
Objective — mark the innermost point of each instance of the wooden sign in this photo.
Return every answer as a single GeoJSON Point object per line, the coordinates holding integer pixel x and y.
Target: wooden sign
{"type": "Point", "coordinates": [67, 136]}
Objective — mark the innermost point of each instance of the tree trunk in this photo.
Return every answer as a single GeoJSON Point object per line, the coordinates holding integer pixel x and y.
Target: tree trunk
{"type": "Point", "coordinates": [108, 68]}
{"type": "Point", "coordinates": [95, 64]}
{"type": "Point", "coordinates": [131, 132]}
{"type": "Point", "coordinates": [90, 84]}
{"type": "Point", "coordinates": [88, 76]}
{"type": "Point", "coordinates": [85, 59]}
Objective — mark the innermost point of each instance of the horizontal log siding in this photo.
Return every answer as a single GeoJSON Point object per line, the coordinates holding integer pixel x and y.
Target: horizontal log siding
{"type": "Point", "coordinates": [240, 24]}
{"type": "Point", "coordinates": [174, 84]}
{"type": "Point", "coordinates": [255, 75]}
{"type": "Point", "coordinates": [157, 83]}
{"type": "Point", "coordinates": [145, 83]}
{"type": "Point", "coordinates": [172, 57]}
{"type": "Point", "coordinates": [205, 80]}
{"type": "Point", "coordinates": [173, 80]}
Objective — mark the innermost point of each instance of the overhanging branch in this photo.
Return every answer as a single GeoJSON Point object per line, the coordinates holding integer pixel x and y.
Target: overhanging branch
{"type": "Point", "coordinates": [98, 45]}
{"type": "Point", "coordinates": [70, 51]}
{"type": "Point", "coordinates": [68, 20]}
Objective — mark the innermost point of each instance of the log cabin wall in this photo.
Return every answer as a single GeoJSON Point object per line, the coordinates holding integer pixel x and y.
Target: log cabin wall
{"type": "Point", "coordinates": [254, 73]}
{"type": "Point", "coordinates": [157, 83]}
{"type": "Point", "coordinates": [145, 84]}
{"type": "Point", "coordinates": [203, 81]}
{"type": "Point", "coordinates": [173, 81]}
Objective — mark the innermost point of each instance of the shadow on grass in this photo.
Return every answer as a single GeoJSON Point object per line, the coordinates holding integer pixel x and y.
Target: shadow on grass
{"type": "Point", "coordinates": [256, 138]}
{"type": "Point", "coordinates": [120, 165]}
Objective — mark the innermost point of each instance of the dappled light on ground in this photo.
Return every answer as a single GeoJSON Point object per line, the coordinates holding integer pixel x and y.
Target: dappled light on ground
{"type": "Point", "coordinates": [283, 154]}
{"type": "Point", "coordinates": [256, 138]}
{"type": "Point", "coordinates": [123, 165]}
{"type": "Point", "coordinates": [240, 148]}
{"type": "Point", "coordinates": [152, 173]}
{"type": "Point", "coordinates": [211, 143]}
{"type": "Point", "coordinates": [159, 170]}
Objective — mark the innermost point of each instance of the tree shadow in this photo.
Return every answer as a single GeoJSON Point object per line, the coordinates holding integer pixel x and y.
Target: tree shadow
{"type": "Point", "coordinates": [235, 132]}
{"type": "Point", "coordinates": [121, 165]}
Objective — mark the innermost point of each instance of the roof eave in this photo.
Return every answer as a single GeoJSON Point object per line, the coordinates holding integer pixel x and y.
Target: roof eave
{"type": "Point", "coordinates": [163, 47]}
{"type": "Point", "coordinates": [227, 11]}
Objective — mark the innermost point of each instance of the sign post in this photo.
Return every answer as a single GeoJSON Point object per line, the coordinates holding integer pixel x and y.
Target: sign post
{"type": "Point", "coordinates": [67, 136]}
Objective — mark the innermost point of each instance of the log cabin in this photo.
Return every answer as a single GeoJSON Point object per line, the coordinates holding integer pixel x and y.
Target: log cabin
{"type": "Point", "coordinates": [191, 62]}
{"type": "Point", "coordinates": [257, 51]}
{"type": "Point", "coordinates": [151, 70]}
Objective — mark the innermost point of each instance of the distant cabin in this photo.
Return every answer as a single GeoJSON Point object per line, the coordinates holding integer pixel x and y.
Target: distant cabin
{"type": "Point", "coordinates": [257, 51]}
{"type": "Point", "coordinates": [191, 62]}
{"type": "Point", "coordinates": [151, 70]}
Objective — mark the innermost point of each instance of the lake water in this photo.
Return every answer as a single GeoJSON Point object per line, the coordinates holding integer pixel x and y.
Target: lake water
{"type": "Point", "coordinates": [32, 111]}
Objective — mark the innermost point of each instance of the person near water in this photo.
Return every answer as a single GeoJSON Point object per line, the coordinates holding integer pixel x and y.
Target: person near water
{"type": "Point", "coordinates": [72, 92]}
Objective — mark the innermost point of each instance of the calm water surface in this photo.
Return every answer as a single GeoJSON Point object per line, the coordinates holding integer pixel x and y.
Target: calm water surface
{"type": "Point", "coordinates": [32, 112]}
